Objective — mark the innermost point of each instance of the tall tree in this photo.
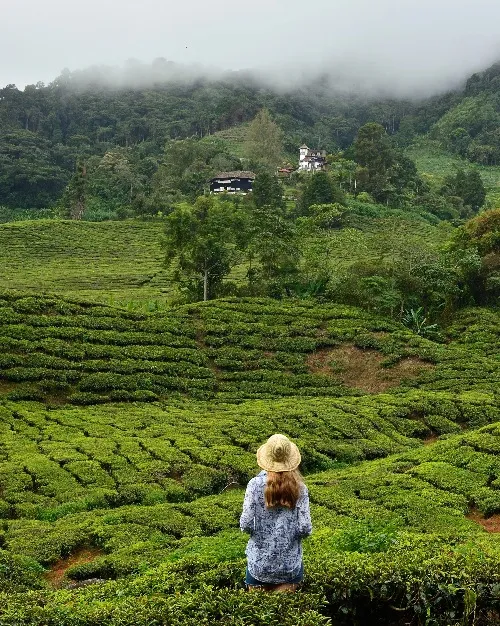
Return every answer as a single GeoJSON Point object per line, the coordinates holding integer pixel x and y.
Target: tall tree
{"type": "Point", "coordinates": [474, 193]}
{"type": "Point", "coordinates": [373, 151]}
{"type": "Point", "coordinates": [74, 199]}
{"type": "Point", "coordinates": [201, 239]}
{"type": "Point", "coordinates": [468, 186]}
{"type": "Point", "coordinates": [264, 141]}
{"type": "Point", "coordinates": [272, 241]}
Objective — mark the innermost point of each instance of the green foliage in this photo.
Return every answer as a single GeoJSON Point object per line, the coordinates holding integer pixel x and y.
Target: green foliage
{"type": "Point", "coordinates": [469, 187]}
{"type": "Point", "coordinates": [416, 320]}
{"type": "Point", "coordinates": [264, 141]}
{"type": "Point", "coordinates": [267, 191]}
{"type": "Point", "coordinates": [481, 236]}
{"type": "Point", "coordinates": [33, 170]}
{"type": "Point", "coordinates": [366, 537]}
{"type": "Point", "coordinates": [326, 216]}
{"type": "Point", "coordinates": [470, 129]}
{"type": "Point", "coordinates": [373, 151]}
{"type": "Point", "coordinates": [202, 240]}
{"type": "Point", "coordinates": [320, 189]}
{"type": "Point", "coordinates": [184, 173]}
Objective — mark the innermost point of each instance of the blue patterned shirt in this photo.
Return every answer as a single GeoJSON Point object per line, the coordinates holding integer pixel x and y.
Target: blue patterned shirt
{"type": "Point", "coordinates": [274, 550]}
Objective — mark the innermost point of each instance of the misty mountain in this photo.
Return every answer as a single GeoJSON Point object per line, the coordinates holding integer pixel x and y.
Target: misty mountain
{"type": "Point", "coordinates": [45, 130]}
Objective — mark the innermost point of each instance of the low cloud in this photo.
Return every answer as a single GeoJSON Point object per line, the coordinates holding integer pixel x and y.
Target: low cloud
{"type": "Point", "coordinates": [395, 47]}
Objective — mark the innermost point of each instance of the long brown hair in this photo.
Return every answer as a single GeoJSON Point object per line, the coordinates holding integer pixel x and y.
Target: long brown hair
{"type": "Point", "coordinates": [282, 489]}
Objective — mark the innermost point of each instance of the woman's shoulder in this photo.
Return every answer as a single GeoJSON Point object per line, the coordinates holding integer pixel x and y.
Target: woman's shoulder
{"type": "Point", "coordinates": [258, 480]}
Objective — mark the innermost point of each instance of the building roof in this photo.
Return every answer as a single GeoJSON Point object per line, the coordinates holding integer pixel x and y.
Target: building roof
{"type": "Point", "coordinates": [313, 157]}
{"type": "Point", "coordinates": [304, 146]}
{"type": "Point", "coordinates": [236, 174]}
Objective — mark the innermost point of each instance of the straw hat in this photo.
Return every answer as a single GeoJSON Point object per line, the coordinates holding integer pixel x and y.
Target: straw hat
{"type": "Point", "coordinates": [278, 454]}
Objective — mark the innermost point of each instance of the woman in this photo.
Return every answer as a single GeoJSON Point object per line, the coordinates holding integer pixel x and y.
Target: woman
{"type": "Point", "coordinates": [276, 514]}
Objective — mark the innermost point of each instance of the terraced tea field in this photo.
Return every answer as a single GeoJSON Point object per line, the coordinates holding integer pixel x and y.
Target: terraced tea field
{"type": "Point", "coordinates": [127, 440]}
{"type": "Point", "coordinates": [122, 262]}
{"type": "Point", "coordinates": [60, 350]}
{"type": "Point", "coordinates": [395, 530]}
{"type": "Point", "coordinates": [107, 261]}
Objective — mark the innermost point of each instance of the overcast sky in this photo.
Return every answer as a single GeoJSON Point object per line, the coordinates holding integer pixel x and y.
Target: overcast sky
{"type": "Point", "coordinates": [402, 44]}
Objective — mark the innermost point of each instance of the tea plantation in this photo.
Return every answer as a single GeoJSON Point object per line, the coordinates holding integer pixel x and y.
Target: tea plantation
{"type": "Point", "coordinates": [127, 440]}
{"type": "Point", "coordinates": [122, 260]}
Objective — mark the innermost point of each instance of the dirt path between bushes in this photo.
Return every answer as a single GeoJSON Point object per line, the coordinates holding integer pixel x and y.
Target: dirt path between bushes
{"type": "Point", "coordinates": [490, 524]}
{"type": "Point", "coordinates": [55, 575]}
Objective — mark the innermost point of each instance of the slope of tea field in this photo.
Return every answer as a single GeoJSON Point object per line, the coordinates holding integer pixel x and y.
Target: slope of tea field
{"type": "Point", "coordinates": [126, 441]}
{"type": "Point", "coordinates": [63, 350]}
{"type": "Point", "coordinates": [106, 261]}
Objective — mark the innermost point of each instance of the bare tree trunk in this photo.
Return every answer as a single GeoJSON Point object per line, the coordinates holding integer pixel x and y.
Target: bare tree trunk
{"type": "Point", "coordinates": [78, 210]}
{"type": "Point", "coordinates": [205, 286]}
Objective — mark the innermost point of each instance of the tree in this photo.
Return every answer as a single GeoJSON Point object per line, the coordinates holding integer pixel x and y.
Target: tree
{"type": "Point", "coordinates": [185, 170]}
{"type": "Point", "coordinates": [320, 189]}
{"type": "Point", "coordinates": [474, 193]}
{"type": "Point", "coordinates": [201, 240]}
{"type": "Point", "coordinates": [373, 151]}
{"type": "Point", "coordinates": [30, 176]}
{"type": "Point", "coordinates": [469, 187]}
{"type": "Point", "coordinates": [344, 172]}
{"type": "Point", "coordinates": [267, 191]}
{"type": "Point", "coordinates": [272, 242]}
{"type": "Point", "coordinates": [325, 217]}
{"type": "Point", "coordinates": [74, 198]}
{"type": "Point", "coordinates": [264, 141]}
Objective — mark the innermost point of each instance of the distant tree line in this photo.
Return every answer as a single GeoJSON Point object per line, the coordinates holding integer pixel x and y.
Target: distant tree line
{"type": "Point", "coordinates": [45, 131]}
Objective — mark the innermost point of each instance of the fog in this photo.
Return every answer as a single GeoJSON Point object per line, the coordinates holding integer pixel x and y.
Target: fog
{"type": "Point", "coordinates": [396, 46]}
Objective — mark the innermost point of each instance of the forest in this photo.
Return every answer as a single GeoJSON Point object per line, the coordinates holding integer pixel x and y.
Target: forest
{"type": "Point", "coordinates": [124, 133]}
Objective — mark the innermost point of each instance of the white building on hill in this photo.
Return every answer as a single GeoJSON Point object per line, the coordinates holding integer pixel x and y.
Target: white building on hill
{"type": "Point", "coordinates": [311, 160]}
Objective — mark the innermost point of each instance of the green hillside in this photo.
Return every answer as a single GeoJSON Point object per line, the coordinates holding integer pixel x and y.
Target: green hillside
{"type": "Point", "coordinates": [123, 136]}
{"type": "Point", "coordinates": [107, 261]}
{"type": "Point", "coordinates": [125, 511]}
{"type": "Point", "coordinates": [436, 162]}
{"type": "Point", "coordinates": [122, 262]}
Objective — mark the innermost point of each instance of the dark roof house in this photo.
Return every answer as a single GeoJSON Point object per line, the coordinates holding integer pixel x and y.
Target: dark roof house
{"type": "Point", "coordinates": [232, 182]}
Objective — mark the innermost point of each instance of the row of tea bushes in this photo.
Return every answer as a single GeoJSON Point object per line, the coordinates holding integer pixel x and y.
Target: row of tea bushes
{"type": "Point", "coordinates": [57, 461]}
{"type": "Point", "coordinates": [429, 489]}
{"type": "Point", "coordinates": [422, 584]}
{"type": "Point", "coordinates": [61, 350]}
{"type": "Point", "coordinates": [478, 329]}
